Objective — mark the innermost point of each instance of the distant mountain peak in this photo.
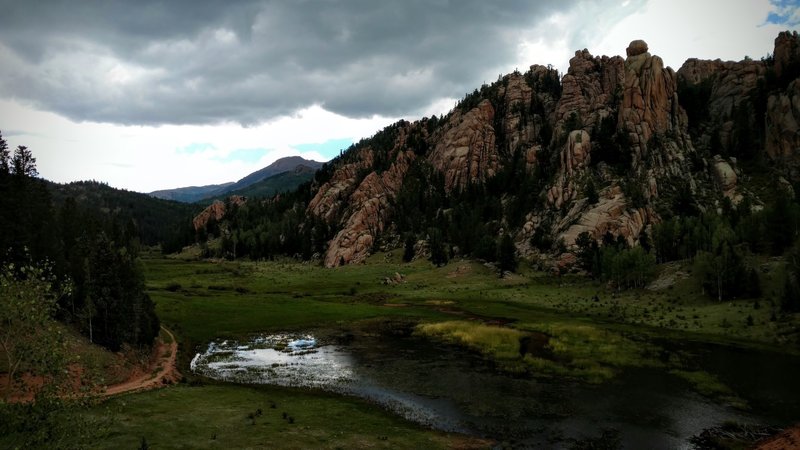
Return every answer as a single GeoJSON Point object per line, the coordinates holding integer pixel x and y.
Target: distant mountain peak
{"type": "Point", "coordinates": [192, 194]}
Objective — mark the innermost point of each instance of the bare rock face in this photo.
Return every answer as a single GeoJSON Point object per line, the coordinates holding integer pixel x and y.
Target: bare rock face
{"type": "Point", "coordinates": [642, 95]}
{"type": "Point", "coordinates": [650, 101]}
{"type": "Point", "coordinates": [330, 197]}
{"type": "Point", "coordinates": [590, 89]}
{"type": "Point", "coordinates": [531, 157]}
{"type": "Point", "coordinates": [367, 214]}
{"type": "Point", "coordinates": [787, 51]}
{"type": "Point", "coordinates": [724, 175]}
{"type": "Point", "coordinates": [574, 158]}
{"type": "Point", "coordinates": [731, 86]}
{"type": "Point", "coordinates": [466, 153]}
{"type": "Point", "coordinates": [216, 211]}
{"type": "Point", "coordinates": [636, 47]}
{"type": "Point", "coordinates": [517, 96]}
{"type": "Point", "coordinates": [783, 124]}
{"type": "Point", "coordinates": [611, 214]}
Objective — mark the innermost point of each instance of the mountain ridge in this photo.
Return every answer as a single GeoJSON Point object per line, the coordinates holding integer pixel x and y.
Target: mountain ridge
{"type": "Point", "coordinates": [192, 194]}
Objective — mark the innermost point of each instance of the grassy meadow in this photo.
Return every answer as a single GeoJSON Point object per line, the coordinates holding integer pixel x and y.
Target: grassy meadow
{"type": "Point", "coordinates": [530, 322]}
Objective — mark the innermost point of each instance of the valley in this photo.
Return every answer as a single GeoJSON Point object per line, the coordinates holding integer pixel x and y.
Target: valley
{"type": "Point", "coordinates": [603, 254]}
{"type": "Point", "coordinates": [556, 394]}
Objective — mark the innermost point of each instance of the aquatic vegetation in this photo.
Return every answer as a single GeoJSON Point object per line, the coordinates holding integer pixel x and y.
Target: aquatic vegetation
{"type": "Point", "coordinates": [570, 350]}
{"type": "Point", "coordinates": [497, 342]}
{"type": "Point", "coordinates": [711, 386]}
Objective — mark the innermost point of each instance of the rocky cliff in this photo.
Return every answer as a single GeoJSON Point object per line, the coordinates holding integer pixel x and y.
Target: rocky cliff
{"type": "Point", "coordinates": [215, 211]}
{"type": "Point", "coordinates": [612, 147]}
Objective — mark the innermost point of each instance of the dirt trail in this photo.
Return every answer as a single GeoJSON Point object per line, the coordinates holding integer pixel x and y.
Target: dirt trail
{"type": "Point", "coordinates": [162, 370]}
{"type": "Point", "coordinates": [788, 439]}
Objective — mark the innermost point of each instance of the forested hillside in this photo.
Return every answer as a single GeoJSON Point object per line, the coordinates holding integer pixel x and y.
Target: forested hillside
{"type": "Point", "coordinates": [84, 238]}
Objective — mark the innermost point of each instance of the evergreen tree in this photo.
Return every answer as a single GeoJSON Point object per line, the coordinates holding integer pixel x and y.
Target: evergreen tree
{"type": "Point", "coordinates": [591, 192]}
{"type": "Point", "coordinates": [121, 312]}
{"type": "Point", "coordinates": [5, 157]}
{"type": "Point", "coordinates": [408, 250]}
{"type": "Point", "coordinates": [506, 254]}
{"type": "Point", "coordinates": [436, 243]}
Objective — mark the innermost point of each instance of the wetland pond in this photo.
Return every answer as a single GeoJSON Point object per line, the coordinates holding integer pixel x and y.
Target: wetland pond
{"type": "Point", "coordinates": [448, 388]}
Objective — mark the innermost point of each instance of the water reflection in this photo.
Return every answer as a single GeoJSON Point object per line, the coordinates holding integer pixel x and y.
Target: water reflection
{"type": "Point", "coordinates": [454, 390]}
{"type": "Point", "coordinates": [297, 361]}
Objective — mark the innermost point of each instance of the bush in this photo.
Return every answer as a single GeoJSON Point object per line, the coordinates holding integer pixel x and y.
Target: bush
{"type": "Point", "coordinates": [173, 287]}
{"type": "Point", "coordinates": [629, 268]}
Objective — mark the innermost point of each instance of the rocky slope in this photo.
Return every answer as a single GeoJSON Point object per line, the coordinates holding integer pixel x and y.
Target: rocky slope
{"type": "Point", "coordinates": [612, 128]}
{"type": "Point", "coordinates": [612, 147]}
{"type": "Point", "coordinates": [215, 211]}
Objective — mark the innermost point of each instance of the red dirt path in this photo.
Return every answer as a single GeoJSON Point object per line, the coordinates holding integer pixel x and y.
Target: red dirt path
{"type": "Point", "coordinates": [161, 371]}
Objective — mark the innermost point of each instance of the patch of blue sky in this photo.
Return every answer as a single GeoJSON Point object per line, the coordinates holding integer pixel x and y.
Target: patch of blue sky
{"type": "Point", "coordinates": [328, 149]}
{"type": "Point", "coordinates": [247, 155]}
{"type": "Point", "coordinates": [785, 12]}
{"type": "Point", "coordinates": [195, 147]}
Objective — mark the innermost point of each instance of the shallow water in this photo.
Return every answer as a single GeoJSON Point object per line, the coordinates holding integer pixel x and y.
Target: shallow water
{"type": "Point", "coordinates": [453, 390]}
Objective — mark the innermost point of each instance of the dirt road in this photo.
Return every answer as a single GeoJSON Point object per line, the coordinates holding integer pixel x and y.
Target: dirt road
{"type": "Point", "coordinates": [162, 370]}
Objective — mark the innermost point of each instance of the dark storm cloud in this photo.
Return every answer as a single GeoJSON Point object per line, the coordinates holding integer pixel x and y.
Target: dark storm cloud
{"type": "Point", "coordinates": [150, 62]}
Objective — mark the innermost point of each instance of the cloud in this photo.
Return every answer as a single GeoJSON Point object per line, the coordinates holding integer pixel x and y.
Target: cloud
{"type": "Point", "coordinates": [247, 155]}
{"type": "Point", "coordinates": [785, 12]}
{"type": "Point", "coordinates": [209, 62]}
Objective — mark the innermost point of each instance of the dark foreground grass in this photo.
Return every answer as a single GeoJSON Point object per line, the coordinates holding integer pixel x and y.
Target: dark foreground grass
{"type": "Point", "coordinates": [229, 416]}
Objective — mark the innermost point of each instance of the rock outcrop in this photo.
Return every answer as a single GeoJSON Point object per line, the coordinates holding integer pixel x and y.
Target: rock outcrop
{"type": "Point", "coordinates": [368, 214]}
{"type": "Point", "coordinates": [649, 99]}
{"type": "Point", "coordinates": [787, 54]}
{"type": "Point", "coordinates": [516, 95]}
{"type": "Point", "coordinates": [725, 176]}
{"type": "Point", "coordinates": [466, 152]}
{"type": "Point", "coordinates": [732, 96]}
{"type": "Point", "coordinates": [573, 159]}
{"type": "Point", "coordinates": [604, 148]}
{"type": "Point", "coordinates": [783, 125]}
{"type": "Point", "coordinates": [215, 211]}
{"type": "Point", "coordinates": [641, 95]}
{"type": "Point", "coordinates": [611, 214]}
{"type": "Point", "coordinates": [730, 87]}
{"type": "Point", "coordinates": [591, 89]}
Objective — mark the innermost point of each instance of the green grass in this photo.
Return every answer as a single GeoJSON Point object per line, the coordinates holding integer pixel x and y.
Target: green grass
{"type": "Point", "coordinates": [560, 349]}
{"type": "Point", "coordinates": [222, 300]}
{"type": "Point", "coordinates": [588, 352]}
{"type": "Point", "coordinates": [227, 416]}
{"type": "Point", "coordinates": [496, 342]}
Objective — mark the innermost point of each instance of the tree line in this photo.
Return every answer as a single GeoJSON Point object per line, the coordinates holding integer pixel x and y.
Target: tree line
{"type": "Point", "coordinates": [93, 253]}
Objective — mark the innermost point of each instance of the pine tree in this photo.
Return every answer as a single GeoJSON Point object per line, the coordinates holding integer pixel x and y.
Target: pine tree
{"type": "Point", "coordinates": [506, 254]}
{"type": "Point", "coordinates": [439, 255]}
{"type": "Point", "coordinates": [408, 251]}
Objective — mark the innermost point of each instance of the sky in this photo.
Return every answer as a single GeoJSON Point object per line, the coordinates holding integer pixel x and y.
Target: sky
{"type": "Point", "coordinates": [154, 94]}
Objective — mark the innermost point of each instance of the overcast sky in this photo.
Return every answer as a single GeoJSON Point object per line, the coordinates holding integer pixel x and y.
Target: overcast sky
{"type": "Point", "coordinates": [149, 95]}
